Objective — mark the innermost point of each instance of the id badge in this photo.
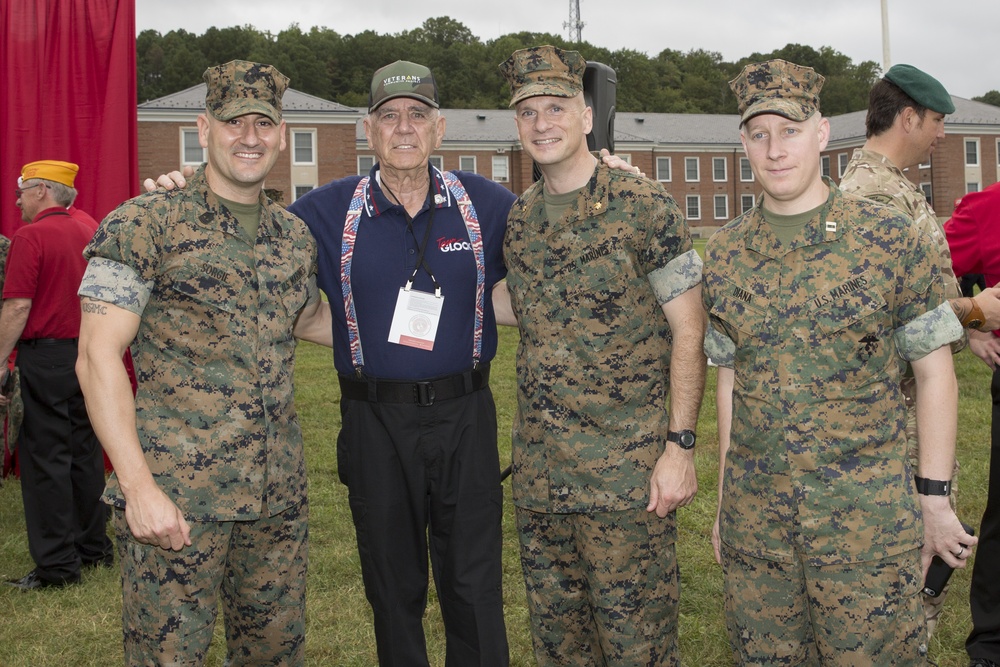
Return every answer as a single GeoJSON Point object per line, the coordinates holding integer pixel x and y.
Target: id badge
{"type": "Point", "coordinates": [415, 321]}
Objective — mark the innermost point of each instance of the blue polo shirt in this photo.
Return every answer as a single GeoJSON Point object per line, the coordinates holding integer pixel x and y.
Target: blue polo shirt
{"type": "Point", "coordinates": [385, 257]}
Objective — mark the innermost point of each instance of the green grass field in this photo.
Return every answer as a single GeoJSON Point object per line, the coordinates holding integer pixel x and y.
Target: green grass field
{"type": "Point", "coordinates": [80, 626]}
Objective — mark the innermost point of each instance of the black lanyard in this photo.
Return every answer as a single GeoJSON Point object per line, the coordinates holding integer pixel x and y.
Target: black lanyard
{"type": "Point", "coordinates": [421, 248]}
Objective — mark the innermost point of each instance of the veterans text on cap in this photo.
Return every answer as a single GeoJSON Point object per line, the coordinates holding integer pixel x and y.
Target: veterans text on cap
{"type": "Point", "coordinates": [403, 79]}
{"type": "Point", "coordinates": [50, 170]}
{"type": "Point", "coordinates": [779, 87]}
{"type": "Point", "coordinates": [241, 87]}
{"type": "Point", "coordinates": [544, 70]}
{"type": "Point", "coordinates": [922, 87]}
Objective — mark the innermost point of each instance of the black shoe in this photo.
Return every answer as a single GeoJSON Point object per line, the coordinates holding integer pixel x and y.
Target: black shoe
{"type": "Point", "coordinates": [32, 581]}
{"type": "Point", "coordinates": [982, 662]}
{"type": "Point", "coordinates": [107, 561]}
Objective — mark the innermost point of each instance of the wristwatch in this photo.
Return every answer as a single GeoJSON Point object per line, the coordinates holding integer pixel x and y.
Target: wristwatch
{"type": "Point", "coordinates": [684, 439]}
{"type": "Point", "coordinates": [932, 487]}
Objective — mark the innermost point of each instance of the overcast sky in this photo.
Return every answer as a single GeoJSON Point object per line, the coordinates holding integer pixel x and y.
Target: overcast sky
{"type": "Point", "coordinates": [955, 42]}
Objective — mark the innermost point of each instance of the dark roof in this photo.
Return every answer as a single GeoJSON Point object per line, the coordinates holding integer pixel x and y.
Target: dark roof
{"type": "Point", "coordinates": [193, 99]}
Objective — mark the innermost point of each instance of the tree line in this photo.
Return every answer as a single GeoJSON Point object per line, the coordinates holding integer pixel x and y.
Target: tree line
{"type": "Point", "coordinates": [338, 68]}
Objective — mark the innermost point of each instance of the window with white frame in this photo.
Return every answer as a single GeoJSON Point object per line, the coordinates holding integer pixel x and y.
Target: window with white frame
{"type": "Point", "coordinates": [501, 168]}
{"type": "Point", "coordinates": [841, 164]}
{"type": "Point", "coordinates": [972, 153]}
{"type": "Point", "coordinates": [972, 187]}
{"type": "Point", "coordinates": [746, 203]}
{"type": "Point", "coordinates": [692, 174]}
{"type": "Point", "coordinates": [694, 207]}
{"type": "Point", "coordinates": [365, 164]}
{"type": "Point", "coordinates": [626, 157]}
{"type": "Point", "coordinates": [467, 163]}
{"type": "Point", "coordinates": [718, 169]}
{"type": "Point", "coordinates": [746, 173]}
{"type": "Point", "coordinates": [303, 147]}
{"type": "Point", "coordinates": [437, 161]}
{"type": "Point", "coordinates": [721, 207]}
{"type": "Point", "coordinates": [925, 165]}
{"type": "Point", "coordinates": [824, 165]}
{"type": "Point", "coordinates": [302, 189]}
{"type": "Point", "coordinates": [663, 169]}
{"type": "Point", "coordinates": [928, 192]}
{"type": "Point", "coordinates": [191, 150]}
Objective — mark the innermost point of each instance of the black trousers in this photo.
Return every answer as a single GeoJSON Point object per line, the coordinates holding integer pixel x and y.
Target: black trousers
{"type": "Point", "coordinates": [984, 592]}
{"type": "Point", "coordinates": [62, 465]}
{"type": "Point", "coordinates": [427, 478]}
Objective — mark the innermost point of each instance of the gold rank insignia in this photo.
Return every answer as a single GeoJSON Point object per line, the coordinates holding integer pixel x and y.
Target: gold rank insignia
{"type": "Point", "coordinates": [597, 206]}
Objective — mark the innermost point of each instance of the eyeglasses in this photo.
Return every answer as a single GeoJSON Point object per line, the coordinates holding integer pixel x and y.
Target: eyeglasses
{"type": "Point", "coordinates": [19, 190]}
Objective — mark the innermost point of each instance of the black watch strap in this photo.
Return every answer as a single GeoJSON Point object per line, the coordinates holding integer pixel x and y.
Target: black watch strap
{"type": "Point", "coordinates": [685, 439]}
{"type": "Point", "coordinates": [932, 487]}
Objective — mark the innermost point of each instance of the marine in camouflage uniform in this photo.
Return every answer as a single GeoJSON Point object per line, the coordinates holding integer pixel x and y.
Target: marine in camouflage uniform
{"type": "Point", "coordinates": [591, 273]}
{"type": "Point", "coordinates": [905, 120]}
{"type": "Point", "coordinates": [212, 296]}
{"type": "Point", "coordinates": [819, 526]}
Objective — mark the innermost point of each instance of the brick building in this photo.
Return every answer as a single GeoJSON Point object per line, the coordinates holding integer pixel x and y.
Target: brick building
{"type": "Point", "coordinates": [697, 157]}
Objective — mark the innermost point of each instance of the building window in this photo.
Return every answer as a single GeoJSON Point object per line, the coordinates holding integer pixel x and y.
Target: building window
{"type": "Point", "coordinates": [721, 207]}
{"type": "Point", "coordinates": [841, 164]}
{"type": "Point", "coordinates": [694, 207]}
{"type": "Point", "coordinates": [467, 163]}
{"type": "Point", "coordinates": [925, 165]}
{"type": "Point", "coordinates": [500, 168]}
{"type": "Point", "coordinates": [928, 193]}
{"type": "Point", "coordinates": [437, 161]}
{"type": "Point", "coordinates": [718, 169]}
{"type": "Point", "coordinates": [972, 152]}
{"type": "Point", "coordinates": [191, 150]}
{"type": "Point", "coordinates": [302, 189]}
{"type": "Point", "coordinates": [971, 187]}
{"type": "Point", "coordinates": [746, 203]}
{"type": "Point", "coordinates": [746, 173]}
{"type": "Point", "coordinates": [998, 152]}
{"type": "Point", "coordinates": [663, 169]}
{"type": "Point", "coordinates": [626, 157]}
{"type": "Point", "coordinates": [691, 171]}
{"type": "Point", "coordinates": [824, 163]}
{"type": "Point", "coordinates": [365, 164]}
{"type": "Point", "coordinates": [303, 147]}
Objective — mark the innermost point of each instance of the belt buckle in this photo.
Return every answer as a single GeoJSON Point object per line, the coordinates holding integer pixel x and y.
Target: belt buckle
{"type": "Point", "coordinates": [423, 393]}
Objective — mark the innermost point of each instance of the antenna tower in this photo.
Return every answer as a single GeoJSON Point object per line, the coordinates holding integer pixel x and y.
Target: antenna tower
{"type": "Point", "coordinates": [575, 25]}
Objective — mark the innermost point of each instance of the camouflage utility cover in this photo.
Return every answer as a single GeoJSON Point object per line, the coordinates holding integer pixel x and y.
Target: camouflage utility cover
{"type": "Point", "coordinates": [214, 352]}
{"type": "Point", "coordinates": [594, 356]}
{"type": "Point", "coordinates": [779, 87]}
{"type": "Point", "coordinates": [817, 332]}
{"type": "Point", "coordinates": [544, 70]}
{"type": "Point", "coordinates": [239, 87]}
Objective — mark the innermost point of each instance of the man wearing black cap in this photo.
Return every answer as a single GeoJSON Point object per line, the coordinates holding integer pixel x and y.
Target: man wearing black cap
{"type": "Point", "coordinates": [905, 120]}
{"type": "Point", "coordinates": [208, 285]}
{"type": "Point", "coordinates": [813, 296]}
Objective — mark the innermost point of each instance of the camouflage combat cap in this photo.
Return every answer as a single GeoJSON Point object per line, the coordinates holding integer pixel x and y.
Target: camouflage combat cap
{"type": "Point", "coordinates": [922, 87]}
{"type": "Point", "coordinates": [544, 70]}
{"type": "Point", "coordinates": [779, 87]}
{"type": "Point", "coordinates": [240, 87]}
{"type": "Point", "coordinates": [403, 79]}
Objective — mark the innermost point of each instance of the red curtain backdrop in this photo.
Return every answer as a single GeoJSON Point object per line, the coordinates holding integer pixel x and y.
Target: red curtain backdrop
{"type": "Point", "coordinates": [69, 93]}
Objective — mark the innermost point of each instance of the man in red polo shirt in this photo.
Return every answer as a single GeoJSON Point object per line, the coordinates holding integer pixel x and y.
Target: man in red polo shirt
{"type": "Point", "coordinates": [62, 466]}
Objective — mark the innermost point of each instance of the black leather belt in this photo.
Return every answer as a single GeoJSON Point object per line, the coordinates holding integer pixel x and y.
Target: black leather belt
{"type": "Point", "coordinates": [421, 392]}
{"type": "Point", "coordinates": [41, 342]}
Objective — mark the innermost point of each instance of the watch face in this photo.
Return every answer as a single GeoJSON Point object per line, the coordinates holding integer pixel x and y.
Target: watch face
{"type": "Point", "coordinates": [687, 439]}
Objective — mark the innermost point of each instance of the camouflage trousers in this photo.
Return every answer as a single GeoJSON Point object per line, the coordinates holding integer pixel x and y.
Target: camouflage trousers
{"type": "Point", "coordinates": [853, 614]}
{"type": "Point", "coordinates": [932, 605]}
{"type": "Point", "coordinates": [602, 588]}
{"type": "Point", "coordinates": [170, 599]}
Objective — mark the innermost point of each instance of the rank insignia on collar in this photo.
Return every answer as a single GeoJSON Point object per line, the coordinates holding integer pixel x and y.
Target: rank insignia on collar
{"type": "Point", "coordinates": [597, 206]}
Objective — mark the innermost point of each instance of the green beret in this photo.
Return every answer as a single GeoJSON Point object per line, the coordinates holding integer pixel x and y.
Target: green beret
{"type": "Point", "coordinates": [922, 87]}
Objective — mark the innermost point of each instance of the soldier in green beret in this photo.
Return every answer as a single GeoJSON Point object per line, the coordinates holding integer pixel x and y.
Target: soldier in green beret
{"type": "Point", "coordinates": [605, 286]}
{"type": "Point", "coordinates": [905, 121]}
{"type": "Point", "coordinates": [209, 285]}
{"type": "Point", "coordinates": [815, 297]}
